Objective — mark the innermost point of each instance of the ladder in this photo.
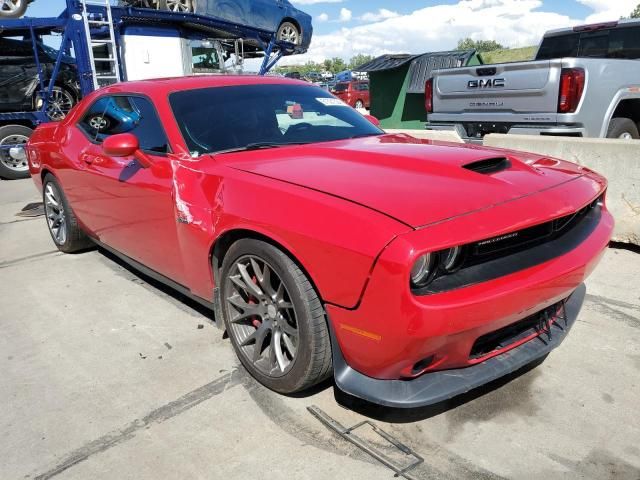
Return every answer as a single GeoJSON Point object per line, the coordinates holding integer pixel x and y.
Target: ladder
{"type": "Point", "coordinates": [104, 70]}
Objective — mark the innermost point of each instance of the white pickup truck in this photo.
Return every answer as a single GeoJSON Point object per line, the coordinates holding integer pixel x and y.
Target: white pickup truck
{"type": "Point", "coordinates": [584, 82]}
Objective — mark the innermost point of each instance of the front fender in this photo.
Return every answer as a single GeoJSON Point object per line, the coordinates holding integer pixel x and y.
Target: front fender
{"type": "Point", "coordinates": [334, 240]}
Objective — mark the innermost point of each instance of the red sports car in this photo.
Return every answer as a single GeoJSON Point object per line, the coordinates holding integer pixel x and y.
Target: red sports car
{"type": "Point", "coordinates": [411, 270]}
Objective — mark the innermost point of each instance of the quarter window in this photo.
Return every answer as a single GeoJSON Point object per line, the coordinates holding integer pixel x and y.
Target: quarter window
{"type": "Point", "coordinates": [116, 114]}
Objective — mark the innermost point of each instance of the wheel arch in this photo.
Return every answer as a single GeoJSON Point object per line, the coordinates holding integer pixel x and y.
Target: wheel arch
{"type": "Point", "coordinates": [628, 108]}
{"type": "Point", "coordinates": [292, 20]}
{"type": "Point", "coordinates": [222, 244]}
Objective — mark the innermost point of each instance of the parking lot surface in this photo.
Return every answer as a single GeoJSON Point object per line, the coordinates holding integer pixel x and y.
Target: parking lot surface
{"type": "Point", "coordinates": [105, 375]}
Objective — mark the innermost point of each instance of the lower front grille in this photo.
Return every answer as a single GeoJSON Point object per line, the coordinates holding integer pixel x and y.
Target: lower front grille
{"type": "Point", "coordinates": [502, 339]}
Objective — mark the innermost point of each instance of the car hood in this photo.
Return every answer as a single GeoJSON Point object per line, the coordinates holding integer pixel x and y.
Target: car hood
{"type": "Point", "coordinates": [417, 182]}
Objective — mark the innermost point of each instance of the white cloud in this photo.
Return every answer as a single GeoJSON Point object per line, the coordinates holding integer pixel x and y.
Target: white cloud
{"type": "Point", "coordinates": [323, 17]}
{"type": "Point", "coordinates": [345, 14]}
{"type": "Point", "coordinates": [514, 23]}
{"type": "Point", "coordinates": [381, 14]}
{"type": "Point", "coordinates": [607, 10]}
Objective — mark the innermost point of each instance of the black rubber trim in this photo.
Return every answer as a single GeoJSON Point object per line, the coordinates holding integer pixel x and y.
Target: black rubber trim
{"type": "Point", "coordinates": [515, 262]}
{"type": "Point", "coordinates": [436, 387]}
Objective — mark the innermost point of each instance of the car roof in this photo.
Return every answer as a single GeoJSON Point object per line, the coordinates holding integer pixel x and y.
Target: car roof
{"type": "Point", "coordinates": [176, 84]}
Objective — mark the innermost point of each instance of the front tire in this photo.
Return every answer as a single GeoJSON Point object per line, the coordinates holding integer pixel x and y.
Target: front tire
{"type": "Point", "coordinates": [61, 221]}
{"type": "Point", "coordinates": [13, 8]}
{"type": "Point", "coordinates": [274, 317]}
{"type": "Point", "coordinates": [13, 157]}
{"type": "Point", "coordinates": [623, 128]}
{"type": "Point", "coordinates": [359, 104]}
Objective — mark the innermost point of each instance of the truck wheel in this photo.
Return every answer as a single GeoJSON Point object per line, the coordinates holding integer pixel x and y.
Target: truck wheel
{"type": "Point", "coordinates": [623, 128]}
{"type": "Point", "coordinates": [13, 158]}
{"type": "Point", "coordinates": [13, 8]}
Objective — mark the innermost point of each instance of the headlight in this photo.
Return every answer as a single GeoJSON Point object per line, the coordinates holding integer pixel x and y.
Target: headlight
{"type": "Point", "coordinates": [451, 258]}
{"type": "Point", "coordinates": [422, 270]}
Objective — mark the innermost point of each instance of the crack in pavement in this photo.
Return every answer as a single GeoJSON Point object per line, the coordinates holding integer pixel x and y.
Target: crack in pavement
{"type": "Point", "coordinates": [607, 306]}
{"type": "Point", "coordinates": [159, 415]}
{"type": "Point", "coordinates": [19, 261]}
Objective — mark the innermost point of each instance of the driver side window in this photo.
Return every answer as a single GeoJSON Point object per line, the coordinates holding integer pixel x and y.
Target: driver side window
{"type": "Point", "coordinates": [111, 115]}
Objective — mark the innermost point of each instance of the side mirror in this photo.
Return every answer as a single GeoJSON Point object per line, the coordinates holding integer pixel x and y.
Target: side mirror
{"type": "Point", "coordinates": [122, 145]}
{"type": "Point", "coordinates": [126, 145]}
{"type": "Point", "coordinates": [373, 120]}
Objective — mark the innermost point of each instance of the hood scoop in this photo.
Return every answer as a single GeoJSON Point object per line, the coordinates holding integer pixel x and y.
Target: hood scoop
{"type": "Point", "coordinates": [488, 166]}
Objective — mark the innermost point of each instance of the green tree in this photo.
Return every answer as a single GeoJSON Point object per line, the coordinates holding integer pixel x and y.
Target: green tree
{"type": "Point", "coordinates": [359, 60]}
{"type": "Point", "coordinates": [636, 12]}
{"type": "Point", "coordinates": [479, 45]}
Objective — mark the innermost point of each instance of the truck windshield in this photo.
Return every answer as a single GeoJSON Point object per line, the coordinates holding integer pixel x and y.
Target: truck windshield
{"type": "Point", "coordinates": [620, 42]}
{"type": "Point", "coordinates": [245, 117]}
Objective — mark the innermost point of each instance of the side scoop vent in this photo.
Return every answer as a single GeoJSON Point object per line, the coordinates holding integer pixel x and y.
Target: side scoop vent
{"type": "Point", "coordinates": [488, 166]}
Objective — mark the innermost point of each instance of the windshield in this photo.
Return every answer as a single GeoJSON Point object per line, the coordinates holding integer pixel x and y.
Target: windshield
{"type": "Point", "coordinates": [342, 87]}
{"type": "Point", "coordinates": [222, 119]}
{"type": "Point", "coordinates": [621, 42]}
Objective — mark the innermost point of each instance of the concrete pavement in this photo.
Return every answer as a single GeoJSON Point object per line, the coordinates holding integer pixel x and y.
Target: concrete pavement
{"type": "Point", "coordinates": [105, 375]}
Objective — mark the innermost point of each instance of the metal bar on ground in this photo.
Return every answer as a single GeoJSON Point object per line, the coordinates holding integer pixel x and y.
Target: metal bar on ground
{"type": "Point", "coordinates": [346, 433]}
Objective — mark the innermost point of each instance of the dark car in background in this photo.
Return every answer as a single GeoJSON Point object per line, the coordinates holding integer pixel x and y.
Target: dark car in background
{"type": "Point", "coordinates": [20, 91]}
{"type": "Point", "coordinates": [354, 93]}
{"type": "Point", "coordinates": [292, 25]}
{"type": "Point", "coordinates": [19, 83]}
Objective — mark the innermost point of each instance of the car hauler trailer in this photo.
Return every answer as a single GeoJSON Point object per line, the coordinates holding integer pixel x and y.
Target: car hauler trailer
{"type": "Point", "coordinates": [115, 43]}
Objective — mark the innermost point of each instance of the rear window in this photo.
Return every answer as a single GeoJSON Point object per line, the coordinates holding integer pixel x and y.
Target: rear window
{"type": "Point", "coordinates": [342, 87]}
{"type": "Point", "coordinates": [621, 42]}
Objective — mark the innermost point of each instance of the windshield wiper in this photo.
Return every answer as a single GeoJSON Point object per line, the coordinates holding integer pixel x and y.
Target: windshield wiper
{"type": "Point", "coordinates": [260, 146]}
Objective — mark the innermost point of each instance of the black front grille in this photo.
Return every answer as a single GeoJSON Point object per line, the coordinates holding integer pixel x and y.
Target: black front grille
{"type": "Point", "coordinates": [526, 238]}
{"type": "Point", "coordinates": [501, 339]}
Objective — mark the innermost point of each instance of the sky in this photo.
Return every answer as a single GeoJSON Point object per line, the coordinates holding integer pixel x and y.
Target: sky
{"type": "Point", "coordinates": [343, 28]}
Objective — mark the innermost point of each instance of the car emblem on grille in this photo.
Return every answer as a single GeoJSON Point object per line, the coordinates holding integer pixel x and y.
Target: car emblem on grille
{"type": "Point", "coordinates": [498, 239]}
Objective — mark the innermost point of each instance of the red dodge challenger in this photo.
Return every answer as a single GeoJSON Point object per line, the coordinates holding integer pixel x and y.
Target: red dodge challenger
{"type": "Point", "coordinates": [411, 270]}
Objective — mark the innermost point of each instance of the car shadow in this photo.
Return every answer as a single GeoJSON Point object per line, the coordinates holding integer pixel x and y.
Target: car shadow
{"type": "Point", "coordinates": [167, 290]}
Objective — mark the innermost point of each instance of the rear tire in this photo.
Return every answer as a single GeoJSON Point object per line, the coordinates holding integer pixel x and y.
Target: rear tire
{"type": "Point", "coordinates": [623, 128]}
{"type": "Point", "coordinates": [16, 11]}
{"type": "Point", "coordinates": [13, 162]}
{"type": "Point", "coordinates": [288, 32]}
{"type": "Point", "coordinates": [269, 304]}
{"type": "Point", "coordinates": [182, 6]}
{"type": "Point", "coordinates": [61, 221]}
{"type": "Point", "coordinates": [359, 104]}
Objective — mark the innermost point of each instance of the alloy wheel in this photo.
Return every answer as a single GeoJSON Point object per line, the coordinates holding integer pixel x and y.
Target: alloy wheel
{"type": "Point", "coordinates": [54, 211]}
{"type": "Point", "coordinates": [59, 104]}
{"type": "Point", "coordinates": [184, 6]}
{"type": "Point", "coordinates": [12, 154]}
{"type": "Point", "coordinates": [11, 6]}
{"type": "Point", "coordinates": [289, 33]}
{"type": "Point", "coordinates": [626, 136]}
{"type": "Point", "coordinates": [262, 317]}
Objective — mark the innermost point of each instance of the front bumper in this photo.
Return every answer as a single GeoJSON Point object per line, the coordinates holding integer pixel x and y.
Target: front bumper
{"type": "Point", "coordinates": [438, 386]}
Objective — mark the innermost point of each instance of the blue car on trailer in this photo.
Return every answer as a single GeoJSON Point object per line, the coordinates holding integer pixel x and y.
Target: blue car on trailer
{"type": "Point", "coordinates": [291, 24]}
